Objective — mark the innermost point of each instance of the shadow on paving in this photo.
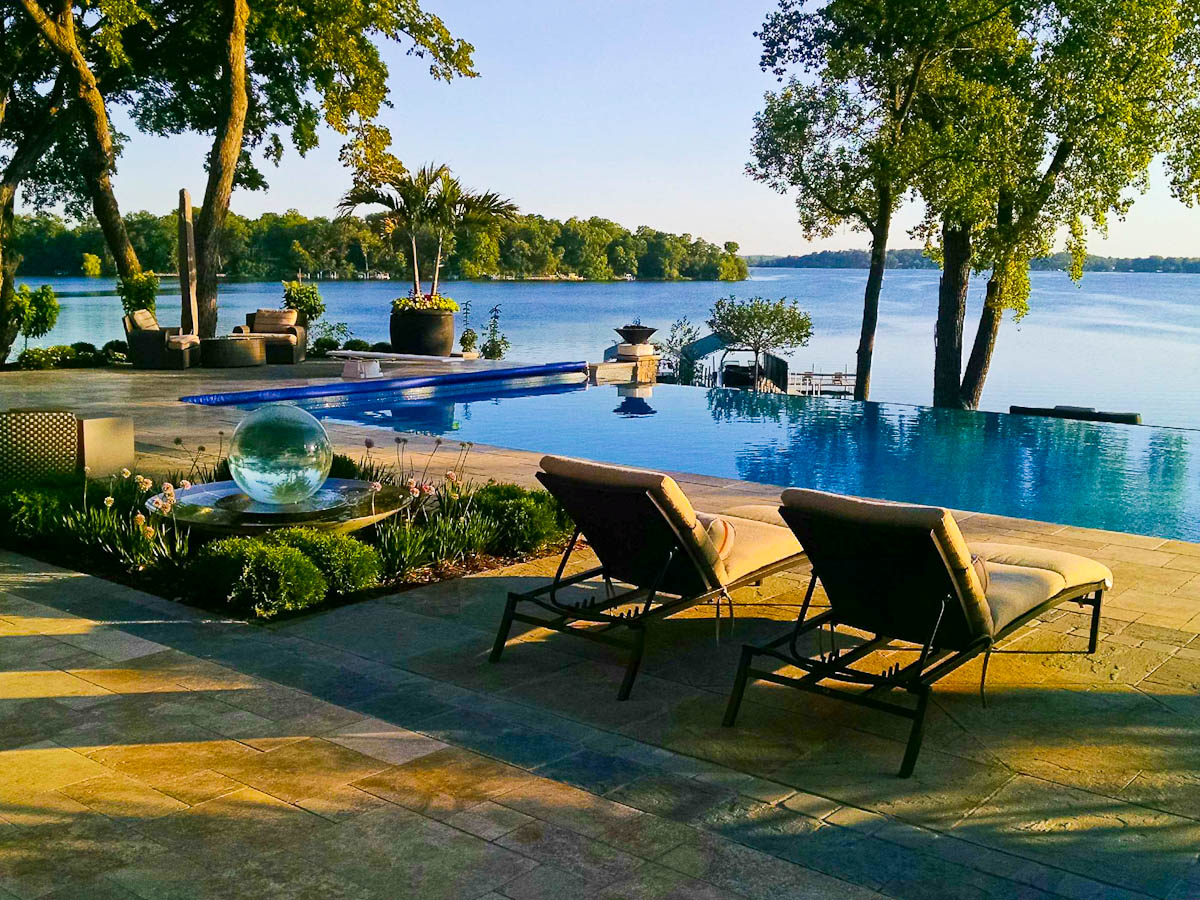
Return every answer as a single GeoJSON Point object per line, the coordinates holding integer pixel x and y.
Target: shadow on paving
{"type": "Point", "coordinates": [1071, 773]}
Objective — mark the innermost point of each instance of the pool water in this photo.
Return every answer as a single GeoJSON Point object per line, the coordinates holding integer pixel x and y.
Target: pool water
{"type": "Point", "coordinates": [1139, 479]}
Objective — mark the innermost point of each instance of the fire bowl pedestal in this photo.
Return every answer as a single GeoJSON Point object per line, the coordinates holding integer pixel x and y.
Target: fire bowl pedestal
{"type": "Point", "coordinates": [341, 505]}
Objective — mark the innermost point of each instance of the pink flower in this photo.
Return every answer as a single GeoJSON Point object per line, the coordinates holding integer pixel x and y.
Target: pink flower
{"type": "Point", "coordinates": [452, 476]}
{"type": "Point", "coordinates": [414, 491]}
{"type": "Point", "coordinates": [427, 488]}
{"type": "Point", "coordinates": [168, 488]}
{"type": "Point", "coordinates": [185, 484]}
{"type": "Point", "coordinates": [158, 504]}
{"type": "Point", "coordinates": [376, 487]}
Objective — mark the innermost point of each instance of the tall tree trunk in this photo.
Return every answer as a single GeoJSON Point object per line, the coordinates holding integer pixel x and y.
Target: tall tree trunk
{"type": "Point", "coordinates": [100, 159]}
{"type": "Point", "coordinates": [985, 343]}
{"type": "Point", "coordinates": [952, 309]}
{"type": "Point", "coordinates": [10, 327]}
{"type": "Point", "coordinates": [870, 319]}
{"type": "Point", "coordinates": [222, 165]}
{"type": "Point", "coordinates": [437, 266]}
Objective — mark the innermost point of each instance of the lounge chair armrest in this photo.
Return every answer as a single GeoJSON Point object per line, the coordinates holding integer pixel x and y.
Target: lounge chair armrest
{"type": "Point", "coordinates": [299, 331]}
{"type": "Point", "coordinates": [241, 329]}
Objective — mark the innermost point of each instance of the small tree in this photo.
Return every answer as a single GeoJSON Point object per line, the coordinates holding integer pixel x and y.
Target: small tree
{"type": "Point", "coordinates": [90, 267]}
{"type": "Point", "coordinates": [760, 325]}
{"type": "Point", "coordinates": [40, 311]}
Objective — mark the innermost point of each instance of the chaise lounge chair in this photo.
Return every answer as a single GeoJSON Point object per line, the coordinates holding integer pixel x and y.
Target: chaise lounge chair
{"type": "Point", "coordinates": [154, 347]}
{"type": "Point", "coordinates": [904, 572]}
{"type": "Point", "coordinates": [647, 536]}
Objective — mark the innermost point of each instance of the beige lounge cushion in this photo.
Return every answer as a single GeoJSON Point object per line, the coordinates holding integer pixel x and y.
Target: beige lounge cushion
{"type": "Point", "coordinates": [938, 521]}
{"type": "Point", "coordinates": [663, 488]}
{"type": "Point", "coordinates": [759, 512]}
{"type": "Point", "coordinates": [1020, 578]}
{"type": "Point", "coordinates": [179, 341]}
{"type": "Point", "coordinates": [143, 320]}
{"type": "Point", "coordinates": [758, 545]}
{"type": "Point", "coordinates": [270, 338]}
{"type": "Point", "coordinates": [721, 533]}
{"type": "Point", "coordinates": [274, 321]}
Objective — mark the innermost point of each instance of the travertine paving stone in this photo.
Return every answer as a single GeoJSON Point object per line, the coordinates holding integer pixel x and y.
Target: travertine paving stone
{"type": "Point", "coordinates": [147, 750]}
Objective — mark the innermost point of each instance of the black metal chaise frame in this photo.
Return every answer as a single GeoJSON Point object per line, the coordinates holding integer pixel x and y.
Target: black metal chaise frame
{"type": "Point", "coordinates": [638, 545]}
{"type": "Point", "coordinates": [922, 610]}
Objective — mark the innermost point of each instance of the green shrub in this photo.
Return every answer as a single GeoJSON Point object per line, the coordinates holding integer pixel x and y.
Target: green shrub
{"type": "Point", "coordinates": [424, 302]}
{"type": "Point", "coordinates": [381, 347]}
{"type": "Point", "coordinates": [348, 565]}
{"type": "Point", "coordinates": [115, 351]}
{"type": "Point", "coordinates": [403, 547]}
{"type": "Point", "coordinates": [252, 576]}
{"type": "Point", "coordinates": [54, 357]}
{"type": "Point", "coordinates": [304, 298]}
{"type": "Point", "coordinates": [320, 347]}
{"type": "Point", "coordinates": [356, 344]}
{"type": "Point", "coordinates": [35, 512]}
{"type": "Point", "coordinates": [525, 520]}
{"type": "Point", "coordinates": [138, 291]}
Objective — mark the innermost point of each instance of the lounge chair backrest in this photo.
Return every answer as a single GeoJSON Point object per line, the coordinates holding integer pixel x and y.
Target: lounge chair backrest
{"type": "Point", "coordinates": [886, 567]}
{"type": "Point", "coordinates": [143, 320]}
{"type": "Point", "coordinates": [272, 321]}
{"type": "Point", "coordinates": [633, 519]}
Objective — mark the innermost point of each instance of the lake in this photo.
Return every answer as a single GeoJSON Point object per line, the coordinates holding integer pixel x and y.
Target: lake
{"type": "Point", "coordinates": [1117, 341]}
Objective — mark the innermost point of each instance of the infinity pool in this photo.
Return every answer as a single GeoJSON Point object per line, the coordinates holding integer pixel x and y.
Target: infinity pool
{"type": "Point", "coordinates": [1138, 479]}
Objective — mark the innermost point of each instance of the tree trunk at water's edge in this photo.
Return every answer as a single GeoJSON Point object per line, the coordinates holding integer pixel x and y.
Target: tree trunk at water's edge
{"type": "Point", "coordinates": [870, 319]}
{"type": "Point", "coordinates": [9, 327]}
{"type": "Point", "coordinates": [952, 309]}
{"type": "Point", "coordinates": [985, 344]}
{"type": "Point", "coordinates": [222, 164]}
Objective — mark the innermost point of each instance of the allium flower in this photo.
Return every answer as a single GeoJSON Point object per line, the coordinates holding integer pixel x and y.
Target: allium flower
{"type": "Point", "coordinates": [412, 483]}
{"type": "Point", "coordinates": [148, 532]}
{"type": "Point", "coordinates": [369, 444]}
{"type": "Point", "coordinates": [168, 488]}
{"type": "Point", "coordinates": [427, 488]}
{"type": "Point", "coordinates": [178, 442]}
{"type": "Point", "coordinates": [87, 470]}
{"type": "Point", "coordinates": [451, 476]}
{"type": "Point", "coordinates": [125, 473]}
{"type": "Point", "coordinates": [139, 520]}
{"type": "Point", "coordinates": [184, 484]}
{"type": "Point", "coordinates": [158, 504]}
{"type": "Point", "coordinates": [108, 502]}
{"type": "Point", "coordinates": [414, 491]}
{"type": "Point", "coordinates": [376, 487]}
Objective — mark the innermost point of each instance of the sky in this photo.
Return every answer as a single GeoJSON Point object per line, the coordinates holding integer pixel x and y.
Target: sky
{"type": "Point", "coordinates": [639, 111]}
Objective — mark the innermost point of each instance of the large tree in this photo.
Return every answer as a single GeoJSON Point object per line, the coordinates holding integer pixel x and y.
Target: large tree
{"type": "Point", "coordinates": [1091, 91]}
{"type": "Point", "coordinates": [847, 138]}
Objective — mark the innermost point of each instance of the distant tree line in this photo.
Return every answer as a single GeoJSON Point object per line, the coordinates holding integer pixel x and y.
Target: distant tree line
{"type": "Point", "coordinates": [846, 259]}
{"type": "Point", "coordinates": [290, 245]}
{"type": "Point", "coordinates": [916, 259]}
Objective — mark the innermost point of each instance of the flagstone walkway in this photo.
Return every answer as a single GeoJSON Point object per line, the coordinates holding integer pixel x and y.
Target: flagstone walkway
{"type": "Point", "coordinates": [150, 751]}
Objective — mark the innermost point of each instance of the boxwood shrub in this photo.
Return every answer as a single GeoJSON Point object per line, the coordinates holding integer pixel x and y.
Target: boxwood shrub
{"type": "Point", "coordinates": [254, 576]}
{"type": "Point", "coordinates": [525, 520]}
{"type": "Point", "coordinates": [348, 564]}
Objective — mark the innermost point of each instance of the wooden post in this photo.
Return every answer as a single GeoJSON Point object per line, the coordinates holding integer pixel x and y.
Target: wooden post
{"type": "Point", "coordinates": [187, 265]}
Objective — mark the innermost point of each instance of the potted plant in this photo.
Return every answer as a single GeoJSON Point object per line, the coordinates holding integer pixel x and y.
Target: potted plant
{"type": "Point", "coordinates": [423, 324]}
{"type": "Point", "coordinates": [636, 333]}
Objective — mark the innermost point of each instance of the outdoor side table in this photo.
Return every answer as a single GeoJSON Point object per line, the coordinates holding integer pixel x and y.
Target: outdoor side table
{"type": "Point", "coordinates": [232, 352]}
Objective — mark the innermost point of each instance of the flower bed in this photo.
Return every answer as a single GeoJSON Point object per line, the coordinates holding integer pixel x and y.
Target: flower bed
{"type": "Point", "coordinates": [448, 527]}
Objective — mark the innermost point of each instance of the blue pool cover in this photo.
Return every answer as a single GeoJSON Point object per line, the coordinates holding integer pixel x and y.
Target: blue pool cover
{"type": "Point", "coordinates": [387, 385]}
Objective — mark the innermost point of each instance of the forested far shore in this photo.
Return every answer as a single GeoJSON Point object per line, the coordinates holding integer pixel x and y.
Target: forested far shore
{"type": "Point", "coordinates": [916, 259]}
{"type": "Point", "coordinates": [290, 245]}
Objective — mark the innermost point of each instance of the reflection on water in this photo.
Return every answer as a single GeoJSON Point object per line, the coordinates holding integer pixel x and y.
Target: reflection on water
{"type": "Point", "coordinates": [1140, 479]}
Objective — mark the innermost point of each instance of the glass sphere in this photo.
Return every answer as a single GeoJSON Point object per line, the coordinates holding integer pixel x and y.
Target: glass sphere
{"type": "Point", "coordinates": [280, 454]}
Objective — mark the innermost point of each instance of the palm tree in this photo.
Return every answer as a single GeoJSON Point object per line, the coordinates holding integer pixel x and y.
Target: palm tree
{"type": "Point", "coordinates": [407, 198]}
{"type": "Point", "coordinates": [454, 207]}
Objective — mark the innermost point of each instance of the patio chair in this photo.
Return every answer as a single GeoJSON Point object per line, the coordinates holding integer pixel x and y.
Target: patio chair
{"type": "Point", "coordinates": [903, 572]}
{"type": "Point", "coordinates": [154, 347]}
{"type": "Point", "coordinates": [286, 340]}
{"type": "Point", "coordinates": [647, 536]}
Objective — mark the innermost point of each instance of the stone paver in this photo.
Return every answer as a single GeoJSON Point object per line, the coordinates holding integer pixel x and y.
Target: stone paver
{"type": "Point", "coordinates": [150, 750]}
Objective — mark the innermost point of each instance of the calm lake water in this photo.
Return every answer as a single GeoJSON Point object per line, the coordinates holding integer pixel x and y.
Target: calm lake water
{"type": "Point", "coordinates": [1117, 341]}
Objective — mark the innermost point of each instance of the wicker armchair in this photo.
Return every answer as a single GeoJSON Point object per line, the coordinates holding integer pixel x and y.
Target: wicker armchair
{"type": "Point", "coordinates": [154, 347]}
{"type": "Point", "coordinates": [286, 340]}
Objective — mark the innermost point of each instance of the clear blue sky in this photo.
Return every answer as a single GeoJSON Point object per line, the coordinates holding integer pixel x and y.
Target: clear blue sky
{"type": "Point", "coordinates": [633, 110]}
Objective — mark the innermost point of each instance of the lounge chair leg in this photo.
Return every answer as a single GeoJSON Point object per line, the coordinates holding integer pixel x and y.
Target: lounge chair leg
{"type": "Point", "coordinates": [505, 627]}
{"type": "Point", "coordinates": [739, 687]}
{"type": "Point", "coordinates": [987, 657]}
{"type": "Point", "coordinates": [635, 660]}
{"type": "Point", "coordinates": [1094, 638]}
{"type": "Point", "coordinates": [915, 735]}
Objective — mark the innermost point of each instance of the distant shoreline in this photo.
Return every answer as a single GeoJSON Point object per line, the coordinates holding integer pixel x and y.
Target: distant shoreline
{"type": "Point", "coordinates": [916, 259]}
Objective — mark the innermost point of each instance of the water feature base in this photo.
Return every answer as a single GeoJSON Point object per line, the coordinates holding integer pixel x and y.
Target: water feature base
{"type": "Point", "coordinates": [341, 505]}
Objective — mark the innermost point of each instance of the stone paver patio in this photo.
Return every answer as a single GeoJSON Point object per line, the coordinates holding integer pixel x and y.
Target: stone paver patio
{"type": "Point", "coordinates": [151, 750]}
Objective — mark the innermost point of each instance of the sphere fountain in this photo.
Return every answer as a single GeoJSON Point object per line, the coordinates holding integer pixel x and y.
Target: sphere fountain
{"type": "Point", "coordinates": [279, 458]}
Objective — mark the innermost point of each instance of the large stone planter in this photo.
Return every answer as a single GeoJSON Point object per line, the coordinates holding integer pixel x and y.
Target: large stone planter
{"type": "Point", "coordinates": [425, 332]}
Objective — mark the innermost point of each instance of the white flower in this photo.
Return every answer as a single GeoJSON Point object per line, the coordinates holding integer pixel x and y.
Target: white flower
{"type": "Point", "coordinates": [185, 484]}
{"type": "Point", "coordinates": [108, 502]}
{"type": "Point", "coordinates": [125, 473]}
